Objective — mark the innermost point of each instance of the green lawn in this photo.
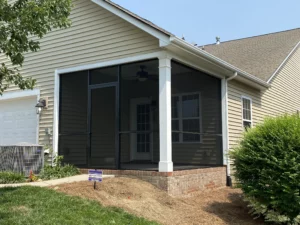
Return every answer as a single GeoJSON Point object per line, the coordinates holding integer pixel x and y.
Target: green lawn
{"type": "Point", "coordinates": [41, 206]}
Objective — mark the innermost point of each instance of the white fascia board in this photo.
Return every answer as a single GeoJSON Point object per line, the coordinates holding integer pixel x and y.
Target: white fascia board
{"type": "Point", "coordinates": [214, 59]}
{"type": "Point", "coordinates": [164, 39]}
{"type": "Point", "coordinates": [19, 94]}
{"type": "Point", "coordinates": [283, 63]}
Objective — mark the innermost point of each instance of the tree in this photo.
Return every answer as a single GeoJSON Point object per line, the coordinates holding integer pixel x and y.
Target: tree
{"type": "Point", "coordinates": [20, 20]}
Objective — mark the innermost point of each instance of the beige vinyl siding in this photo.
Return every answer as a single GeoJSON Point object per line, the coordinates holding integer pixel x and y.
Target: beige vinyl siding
{"type": "Point", "coordinates": [95, 35]}
{"type": "Point", "coordinates": [282, 97]}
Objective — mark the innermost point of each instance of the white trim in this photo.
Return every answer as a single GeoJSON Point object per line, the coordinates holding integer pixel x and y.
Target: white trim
{"type": "Point", "coordinates": [225, 132]}
{"type": "Point", "coordinates": [250, 121]}
{"type": "Point", "coordinates": [180, 118]}
{"type": "Point", "coordinates": [284, 61]}
{"type": "Point", "coordinates": [15, 95]}
{"type": "Point", "coordinates": [133, 126]}
{"type": "Point", "coordinates": [102, 64]}
{"type": "Point", "coordinates": [19, 94]}
{"type": "Point", "coordinates": [164, 39]}
{"type": "Point", "coordinates": [56, 112]}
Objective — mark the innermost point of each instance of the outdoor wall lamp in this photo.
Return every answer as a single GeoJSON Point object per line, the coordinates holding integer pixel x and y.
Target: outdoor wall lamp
{"type": "Point", "coordinates": [42, 104]}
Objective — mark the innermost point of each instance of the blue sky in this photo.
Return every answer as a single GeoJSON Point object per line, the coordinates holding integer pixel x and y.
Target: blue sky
{"type": "Point", "coordinates": [201, 21]}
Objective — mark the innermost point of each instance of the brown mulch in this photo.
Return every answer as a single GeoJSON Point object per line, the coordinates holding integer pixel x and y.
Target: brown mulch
{"type": "Point", "coordinates": [222, 206]}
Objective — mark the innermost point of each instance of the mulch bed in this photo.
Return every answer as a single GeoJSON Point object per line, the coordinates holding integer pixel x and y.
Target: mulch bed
{"type": "Point", "coordinates": [222, 206]}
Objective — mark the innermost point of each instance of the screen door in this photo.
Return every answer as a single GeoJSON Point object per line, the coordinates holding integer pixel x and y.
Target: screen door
{"type": "Point", "coordinates": [103, 141]}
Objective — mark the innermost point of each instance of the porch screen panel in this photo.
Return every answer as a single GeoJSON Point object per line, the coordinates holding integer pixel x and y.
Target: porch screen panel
{"type": "Point", "coordinates": [103, 127]}
{"type": "Point", "coordinates": [196, 117]}
{"type": "Point", "coordinates": [139, 114]}
{"type": "Point", "coordinates": [73, 117]}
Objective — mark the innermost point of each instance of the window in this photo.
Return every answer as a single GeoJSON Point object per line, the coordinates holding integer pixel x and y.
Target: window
{"type": "Point", "coordinates": [247, 113]}
{"type": "Point", "coordinates": [186, 124]}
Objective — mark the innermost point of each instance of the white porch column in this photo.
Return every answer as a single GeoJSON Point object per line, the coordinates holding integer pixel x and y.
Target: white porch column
{"type": "Point", "coordinates": [165, 116]}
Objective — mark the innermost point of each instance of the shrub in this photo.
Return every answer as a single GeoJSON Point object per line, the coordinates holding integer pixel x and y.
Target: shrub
{"type": "Point", "coordinates": [7, 177]}
{"type": "Point", "coordinates": [267, 163]}
{"type": "Point", "coordinates": [58, 171]}
{"type": "Point", "coordinates": [32, 177]}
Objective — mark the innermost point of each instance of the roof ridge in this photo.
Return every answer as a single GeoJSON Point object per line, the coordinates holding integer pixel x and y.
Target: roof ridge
{"type": "Point", "coordinates": [276, 32]}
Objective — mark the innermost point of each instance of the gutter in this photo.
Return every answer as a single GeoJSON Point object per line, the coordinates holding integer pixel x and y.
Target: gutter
{"type": "Point", "coordinates": [183, 44]}
{"type": "Point", "coordinates": [228, 173]}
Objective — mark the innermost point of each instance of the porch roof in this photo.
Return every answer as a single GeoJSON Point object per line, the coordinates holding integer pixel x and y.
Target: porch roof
{"type": "Point", "coordinates": [170, 40]}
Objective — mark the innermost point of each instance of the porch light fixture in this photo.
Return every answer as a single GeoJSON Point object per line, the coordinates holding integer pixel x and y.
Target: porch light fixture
{"type": "Point", "coordinates": [42, 103]}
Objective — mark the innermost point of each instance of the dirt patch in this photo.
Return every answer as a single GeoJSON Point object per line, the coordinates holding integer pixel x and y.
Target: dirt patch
{"type": "Point", "coordinates": [21, 209]}
{"type": "Point", "coordinates": [223, 206]}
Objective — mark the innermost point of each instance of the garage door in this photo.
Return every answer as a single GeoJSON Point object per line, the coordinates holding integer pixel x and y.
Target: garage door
{"type": "Point", "coordinates": [18, 121]}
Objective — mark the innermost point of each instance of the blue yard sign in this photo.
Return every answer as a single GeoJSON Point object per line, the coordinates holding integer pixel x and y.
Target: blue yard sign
{"type": "Point", "coordinates": [95, 175]}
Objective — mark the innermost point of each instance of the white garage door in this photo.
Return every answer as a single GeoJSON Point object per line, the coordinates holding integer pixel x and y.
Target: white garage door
{"type": "Point", "coordinates": [18, 121]}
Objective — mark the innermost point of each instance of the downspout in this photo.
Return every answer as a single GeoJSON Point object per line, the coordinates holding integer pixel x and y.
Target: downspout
{"type": "Point", "coordinates": [228, 174]}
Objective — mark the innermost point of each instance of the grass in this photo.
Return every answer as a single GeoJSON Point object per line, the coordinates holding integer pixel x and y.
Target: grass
{"type": "Point", "coordinates": [35, 205]}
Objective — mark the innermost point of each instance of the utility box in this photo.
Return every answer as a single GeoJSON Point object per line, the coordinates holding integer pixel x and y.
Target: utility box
{"type": "Point", "coordinates": [22, 158]}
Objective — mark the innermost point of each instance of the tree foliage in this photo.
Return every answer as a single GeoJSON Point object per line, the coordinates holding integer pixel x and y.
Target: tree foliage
{"type": "Point", "coordinates": [267, 164]}
{"type": "Point", "coordinates": [20, 20]}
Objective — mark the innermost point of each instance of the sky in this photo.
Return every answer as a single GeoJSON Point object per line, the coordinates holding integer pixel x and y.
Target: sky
{"type": "Point", "coordinates": [201, 21]}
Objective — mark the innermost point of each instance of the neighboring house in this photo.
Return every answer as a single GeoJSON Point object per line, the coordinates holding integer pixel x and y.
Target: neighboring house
{"type": "Point", "coordinates": [123, 93]}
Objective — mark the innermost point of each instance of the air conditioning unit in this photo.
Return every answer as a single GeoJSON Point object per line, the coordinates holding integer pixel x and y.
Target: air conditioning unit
{"type": "Point", "coordinates": [22, 158]}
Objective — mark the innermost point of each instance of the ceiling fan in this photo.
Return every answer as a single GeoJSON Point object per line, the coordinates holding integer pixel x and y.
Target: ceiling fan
{"type": "Point", "coordinates": [142, 75]}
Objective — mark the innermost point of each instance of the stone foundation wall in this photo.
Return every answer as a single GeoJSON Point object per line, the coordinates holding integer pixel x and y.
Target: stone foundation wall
{"type": "Point", "coordinates": [178, 182]}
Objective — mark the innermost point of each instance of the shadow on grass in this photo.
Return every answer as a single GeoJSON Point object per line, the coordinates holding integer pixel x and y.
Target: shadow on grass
{"type": "Point", "coordinates": [6, 190]}
{"type": "Point", "coordinates": [3, 200]}
{"type": "Point", "coordinates": [233, 212]}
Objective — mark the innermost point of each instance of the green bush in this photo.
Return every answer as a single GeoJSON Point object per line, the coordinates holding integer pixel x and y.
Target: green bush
{"type": "Point", "coordinates": [267, 163]}
{"type": "Point", "coordinates": [58, 171]}
{"type": "Point", "coordinates": [7, 177]}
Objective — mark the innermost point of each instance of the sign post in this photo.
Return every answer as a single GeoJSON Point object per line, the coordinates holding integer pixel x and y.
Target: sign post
{"type": "Point", "coordinates": [96, 176]}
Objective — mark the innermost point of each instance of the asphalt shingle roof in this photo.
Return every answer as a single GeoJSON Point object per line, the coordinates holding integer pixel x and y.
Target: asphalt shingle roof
{"type": "Point", "coordinates": [259, 55]}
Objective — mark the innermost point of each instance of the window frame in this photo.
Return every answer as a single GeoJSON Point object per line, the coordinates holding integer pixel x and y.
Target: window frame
{"type": "Point", "coordinates": [180, 118]}
{"type": "Point", "coordinates": [251, 115]}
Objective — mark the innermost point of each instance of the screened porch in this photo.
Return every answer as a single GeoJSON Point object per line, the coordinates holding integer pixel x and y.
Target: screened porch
{"type": "Point", "coordinates": [133, 117]}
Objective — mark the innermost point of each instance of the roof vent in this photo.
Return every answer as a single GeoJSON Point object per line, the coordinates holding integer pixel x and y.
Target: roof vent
{"type": "Point", "coordinates": [218, 40]}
